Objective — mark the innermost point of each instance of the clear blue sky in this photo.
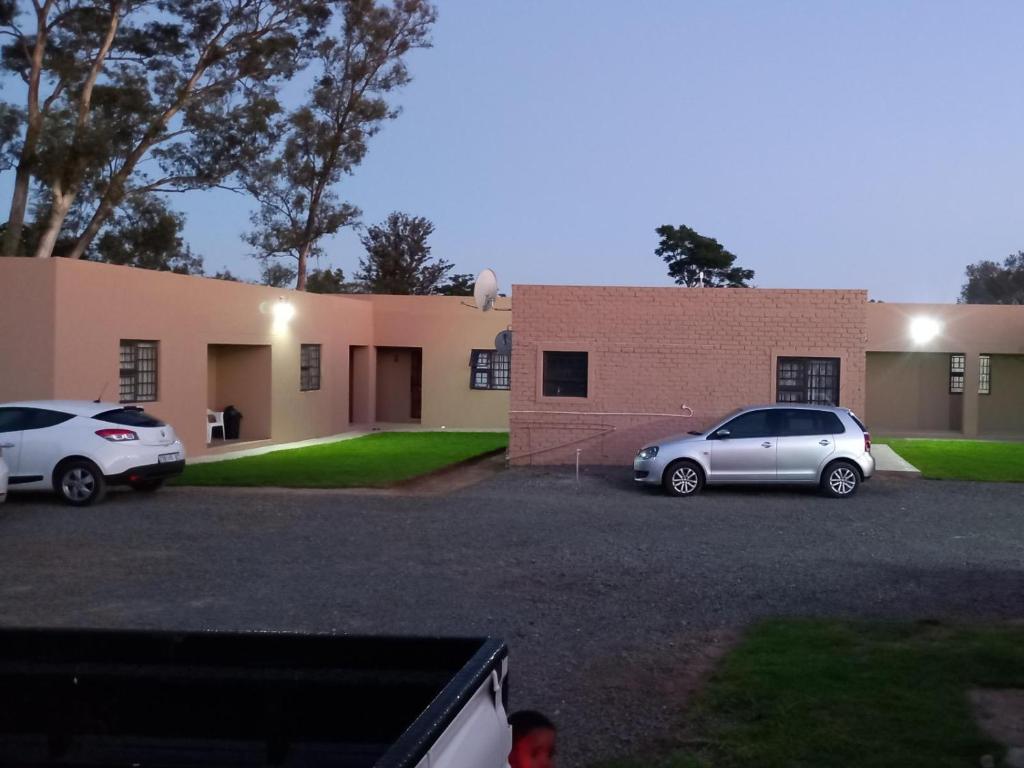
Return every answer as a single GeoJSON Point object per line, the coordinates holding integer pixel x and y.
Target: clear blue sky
{"type": "Point", "coordinates": [866, 143]}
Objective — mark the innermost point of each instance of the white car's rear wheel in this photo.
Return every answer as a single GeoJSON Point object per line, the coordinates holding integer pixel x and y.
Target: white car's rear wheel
{"type": "Point", "coordinates": [79, 482]}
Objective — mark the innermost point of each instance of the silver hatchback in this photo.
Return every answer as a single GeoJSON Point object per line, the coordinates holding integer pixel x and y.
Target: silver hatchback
{"type": "Point", "coordinates": [807, 444]}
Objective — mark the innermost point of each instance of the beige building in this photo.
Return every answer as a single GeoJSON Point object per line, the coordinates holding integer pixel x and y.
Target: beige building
{"type": "Point", "coordinates": [296, 365]}
{"type": "Point", "coordinates": [599, 369]}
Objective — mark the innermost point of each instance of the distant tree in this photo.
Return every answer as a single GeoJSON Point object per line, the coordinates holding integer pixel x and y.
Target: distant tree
{"type": "Point", "coordinates": [329, 281]}
{"type": "Point", "coordinates": [225, 274]}
{"type": "Point", "coordinates": [458, 285]}
{"type": "Point", "coordinates": [277, 275]}
{"type": "Point", "coordinates": [354, 71]}
{"type": "Point", "coordinates": [992, 283]}
{"type": "Point", "coordinates": [689, 253]}
{"type": "Point", "coordinates": [398, 258]}
{"type": "Point", "coordinates": [146, 233]}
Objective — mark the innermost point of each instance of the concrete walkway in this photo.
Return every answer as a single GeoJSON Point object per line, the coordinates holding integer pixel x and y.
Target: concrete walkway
{"type": "Point", "coordinates": [888, 462]}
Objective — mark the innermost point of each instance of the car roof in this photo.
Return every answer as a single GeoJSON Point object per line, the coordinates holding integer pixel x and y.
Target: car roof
{"type": "Point", "coordinates": [798, 406]}
{"type": "Point", "coordinates": [76, 407]}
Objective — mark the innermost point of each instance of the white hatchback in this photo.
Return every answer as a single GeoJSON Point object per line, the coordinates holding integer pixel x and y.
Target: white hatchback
{"type": "Point", "coordinates": [78, 448]}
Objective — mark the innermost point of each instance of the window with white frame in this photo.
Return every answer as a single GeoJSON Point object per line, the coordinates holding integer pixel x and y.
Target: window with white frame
{"type": "Point", "coordinates": [489, 369]}
{"type": "Point", "coordinates": [138, 371]}
{"type": "Point", "coordinates": [984, 374]}
{"type": "Point", "coordinates": [957, 366]}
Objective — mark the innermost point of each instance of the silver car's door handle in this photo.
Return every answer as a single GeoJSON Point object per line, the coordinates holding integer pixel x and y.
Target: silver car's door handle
{"type": "Point", "coordinates": [823, 442]}
{"type": "Point", "coordinates": [766, 444]}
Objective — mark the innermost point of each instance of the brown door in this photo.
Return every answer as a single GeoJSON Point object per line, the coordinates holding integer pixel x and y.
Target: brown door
{"type": "Point", "coordinates": [416, 384]}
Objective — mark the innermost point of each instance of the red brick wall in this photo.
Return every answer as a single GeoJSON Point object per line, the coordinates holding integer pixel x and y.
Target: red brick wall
{"type": "Point", "coordinates": [653, 350]}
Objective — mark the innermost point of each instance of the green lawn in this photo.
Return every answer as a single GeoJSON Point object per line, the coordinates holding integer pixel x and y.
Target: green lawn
{"type": "Point", "coordinates": [865, 695]}
{"type": "Point", "coordinates": [963, 459]}
{"type": "Point", "coordinates": [371, 461]}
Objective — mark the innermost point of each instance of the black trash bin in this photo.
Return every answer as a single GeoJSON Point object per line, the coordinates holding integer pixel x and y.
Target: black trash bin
{"type": "Point", "coordinates": [232, 422]}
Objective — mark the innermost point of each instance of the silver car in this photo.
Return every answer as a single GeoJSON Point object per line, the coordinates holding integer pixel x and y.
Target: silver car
{"type": "Point", "coordinates": [810, 444]}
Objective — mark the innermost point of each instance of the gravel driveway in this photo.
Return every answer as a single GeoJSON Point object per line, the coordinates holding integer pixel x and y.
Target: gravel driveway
{"type": "Point", "coordinates": [607, 595]}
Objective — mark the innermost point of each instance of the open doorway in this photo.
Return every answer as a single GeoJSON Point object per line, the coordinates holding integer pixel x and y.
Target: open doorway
{"type": "Point", "coordinates": [399, 384]}
{"type": "Point", "coordinates": [239, 375]}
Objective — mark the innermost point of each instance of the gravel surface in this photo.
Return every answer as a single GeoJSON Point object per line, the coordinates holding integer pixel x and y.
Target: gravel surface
{"type": "Point", "coordinates": [609, 596]}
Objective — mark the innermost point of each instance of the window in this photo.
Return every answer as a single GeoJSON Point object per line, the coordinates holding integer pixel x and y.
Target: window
{"type": "Point", "coordinates": [489, 370]}
{"type": "Point", "coordinates": [753, 424]}
{"type": "Point", "coordinates": [803, 423]}
{"type": "Point", "coordinates": [138, 371]}
{"type": "Point", "coordinates": [309, 367]}
{"type": "Point", "coordinates": [565, 374]}
{"type": "Point", "coordinates": [812, 380]}
{"type": "Point", "coordinates": [22, 419]}
{"type": "Point", "coordinates": [956, 374]}
{"type": "Point", "coordinates": [129, 417]}
{"type": "Point", "coordinates": [984, 374]}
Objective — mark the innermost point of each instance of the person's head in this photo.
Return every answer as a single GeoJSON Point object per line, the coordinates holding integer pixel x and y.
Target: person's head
{"type": "Point", "coordinates": [533, 740]}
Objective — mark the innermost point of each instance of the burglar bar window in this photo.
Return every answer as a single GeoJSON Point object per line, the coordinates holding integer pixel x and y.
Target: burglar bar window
{"type": "Point", "coordinates": [984, 375]}
{"type": "Point", "coordinates": [956, 374]}
{"type": "Point", "coordinates": [812, 380]}
{"type": "Point", "coordinates": [138, 371]}
{"type": "Point", "coordinates": [565, 374]}
{"type": "Point", "coordinates": [309, 367]}
{"type": "Point", "coordinates": [489, 369]}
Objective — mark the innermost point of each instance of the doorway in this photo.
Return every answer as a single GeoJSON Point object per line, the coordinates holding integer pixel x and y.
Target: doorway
{"type": "Point", "coordinates": [399, 384]}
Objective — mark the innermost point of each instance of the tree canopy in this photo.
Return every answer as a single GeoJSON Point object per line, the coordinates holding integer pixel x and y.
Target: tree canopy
{"type": "Point", "coordinates": [688, 254]}
{"type": "Point", "coordinates": [398, 258]}
{"type": "Point", "coordinates": [991, 283]}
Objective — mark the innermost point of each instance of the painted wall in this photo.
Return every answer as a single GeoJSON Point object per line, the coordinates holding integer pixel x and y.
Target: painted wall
{"type": "Point", "coordinates": [971, 329]}
{"type": "Point", "coordinates": [394, 377]}
{"type": "Point", "coordinates": [909, 392]}
{"type": "Point", "coordinates": [27, 331]}
{"type": "Point", "coordinates": [446, 330]}
{"type": "Point", "coordinates": [652, 350]}
{"type": "Point", "coordinates": [94, 306]}
{"type": "Point", "coordinates": [1001, 412]}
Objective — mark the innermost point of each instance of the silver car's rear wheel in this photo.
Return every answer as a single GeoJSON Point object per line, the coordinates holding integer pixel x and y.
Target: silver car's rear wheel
{"type": "Point", "coordinates": [79, 482]}
{"type": "Point", "coordinates": [683, 478]}
{"type": "Point", "coordinates": [840, 480]}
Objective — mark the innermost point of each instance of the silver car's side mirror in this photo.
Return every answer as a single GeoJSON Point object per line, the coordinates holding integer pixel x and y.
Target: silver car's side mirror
{"type": "Point", "coordinates": [722, 433]}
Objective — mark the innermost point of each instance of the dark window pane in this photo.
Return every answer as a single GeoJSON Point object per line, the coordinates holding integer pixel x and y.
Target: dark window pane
{"type": "Point", "coordinates": [984, 374]}
{"type": "Point", "coordinates": [565, 374]}
{"type": "Point", "coordinates": [501, 370]}
{"type": "Point", "coordinates": [796, 423]}
{"type": "Point", "coordinates": [138, 378]}
{"type": "Point", "coordinates": [309, 367]}
{"type": "Point", "coordinates": [753, 424]}
{"type": "Point", "coordinates": [39, 418]}
{"type": "Point", "coordinates": [13, 419]}
{"type": "Point", "coordinates": [130, 417]}
{"type": "Point", "coordinates": [812, 380]}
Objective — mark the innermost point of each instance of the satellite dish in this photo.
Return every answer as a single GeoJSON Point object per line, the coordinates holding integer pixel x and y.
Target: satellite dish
{"type": "Point", "coordinates": [503, 343]}
{"type": "Point", "coordinates": [486, 290]}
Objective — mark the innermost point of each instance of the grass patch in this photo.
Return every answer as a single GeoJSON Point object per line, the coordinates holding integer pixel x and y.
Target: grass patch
{"type": "Point", "coordinates": [963, 459]}
{"type": "Point", "coordinates": [813, 693]}
{"type": "Point", "coordinates": [371, 461]}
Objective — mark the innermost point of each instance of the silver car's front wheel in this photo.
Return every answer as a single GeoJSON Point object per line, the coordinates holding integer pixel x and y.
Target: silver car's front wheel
{"type": "Point", "coordinates": [840, 480]}
{"type": "Point", "coordinates": [683, 478]}
{"type": "Point", "coordinates": [79, 482]}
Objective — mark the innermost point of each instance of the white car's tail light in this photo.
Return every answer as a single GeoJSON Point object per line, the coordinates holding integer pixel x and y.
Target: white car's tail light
{"type": "Point", "coordinates": [117, 435]}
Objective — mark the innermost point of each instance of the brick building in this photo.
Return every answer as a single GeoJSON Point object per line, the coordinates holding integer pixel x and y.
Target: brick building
{"type": "Point", "coordinates": [604, 369]}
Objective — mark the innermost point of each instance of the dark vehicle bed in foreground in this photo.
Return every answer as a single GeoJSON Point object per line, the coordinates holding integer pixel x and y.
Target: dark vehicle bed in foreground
{"type": "Point", "coordinates": [133, 698]}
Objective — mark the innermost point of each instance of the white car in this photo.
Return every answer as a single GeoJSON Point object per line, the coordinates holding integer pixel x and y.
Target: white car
{"type": "Point", "coordinates": [78, 448]}
{"type": "Point", "coordinates": [4, 473]}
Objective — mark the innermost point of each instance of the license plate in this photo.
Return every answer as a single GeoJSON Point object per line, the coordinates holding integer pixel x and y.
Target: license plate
{"type": "Point", "coordinates": [165, 457]}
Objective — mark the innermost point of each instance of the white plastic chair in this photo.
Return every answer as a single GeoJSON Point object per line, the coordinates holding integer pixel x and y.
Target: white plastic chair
{"type": "Point", "coordinates": [214, 419]}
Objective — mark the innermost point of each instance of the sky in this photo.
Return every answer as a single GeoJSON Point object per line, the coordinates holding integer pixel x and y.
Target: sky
{"type": "Point", "coordinates": [862, 144]}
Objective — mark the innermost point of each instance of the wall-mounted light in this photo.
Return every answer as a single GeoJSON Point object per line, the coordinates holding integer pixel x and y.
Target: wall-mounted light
{"type": "Point", "coordinates": [283, 310]}
{"type": "Point", "coordinates": [924, 329]}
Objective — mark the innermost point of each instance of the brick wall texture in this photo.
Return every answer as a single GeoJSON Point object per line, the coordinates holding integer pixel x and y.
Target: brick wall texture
{"type": "Point", "coordinates": [653, 350]}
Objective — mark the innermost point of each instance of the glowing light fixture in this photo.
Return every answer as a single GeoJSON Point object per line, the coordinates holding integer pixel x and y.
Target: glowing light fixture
{"type": "Point", "coordinates": [924, 329]}
{"type": "Point", "coordinates": [283, 310]}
